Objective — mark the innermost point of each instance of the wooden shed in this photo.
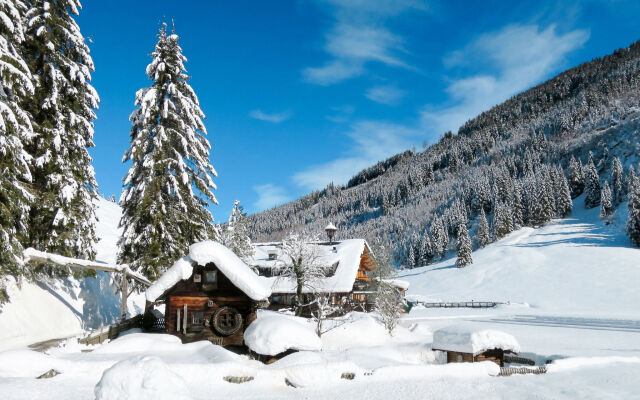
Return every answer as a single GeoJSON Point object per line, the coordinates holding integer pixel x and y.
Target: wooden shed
{"type": "Point", "coordinates": [209, 295]}
{"type": "Point", "coordinates": [468, 343]}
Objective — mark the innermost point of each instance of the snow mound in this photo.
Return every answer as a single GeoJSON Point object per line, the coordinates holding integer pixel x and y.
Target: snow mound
{"type": "Point", "coordinates": [141, 378]}
{"type": "Point", "coordinates": [466, 338]}
{"type": "Point", "coordinates": [138, 342]}
{"type": "Point", "coordinates": [274, 333]}
{"type": "Point", "coordinates": [225, 260]}
{"type": "Point", "coordinates": [357, 330]}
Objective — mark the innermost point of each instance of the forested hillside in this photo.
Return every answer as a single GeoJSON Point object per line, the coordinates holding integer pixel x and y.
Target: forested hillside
{"type": "Point", "coordinates": [512, 163]}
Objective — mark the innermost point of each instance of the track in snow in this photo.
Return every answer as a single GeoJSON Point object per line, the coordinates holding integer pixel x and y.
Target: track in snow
{"type": "Point", "coordinates": [623, 325]}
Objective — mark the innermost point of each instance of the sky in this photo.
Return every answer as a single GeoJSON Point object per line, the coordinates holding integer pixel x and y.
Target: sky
{"type": "Point", "coordinates": [299, 94]}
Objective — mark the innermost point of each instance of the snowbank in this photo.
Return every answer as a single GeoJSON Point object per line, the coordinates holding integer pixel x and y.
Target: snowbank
{"type": "Point", "coordinates": [274, 333]}
{"type": "Point", "coordinates": [141, 378]}
{"type": "Point", "coordinates": [25, 363]}
{"type": "Point", "coordinates": [469, 339]}
{"type": "Point", "coordinates": [225, 260]}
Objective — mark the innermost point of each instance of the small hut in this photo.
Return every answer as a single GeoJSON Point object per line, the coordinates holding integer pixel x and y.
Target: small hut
{"type": "Point", "coordinates": [208, 295]}
{"type": "Point", "coordinates": [467, 343]}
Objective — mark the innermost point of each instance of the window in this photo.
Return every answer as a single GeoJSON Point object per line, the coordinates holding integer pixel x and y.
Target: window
{"type": "Point", "coordinates": [197, 321]}
{"type": "Point", "coordinates": [210, 280]}
{"type": "Point", "coordinates": [211, 277]}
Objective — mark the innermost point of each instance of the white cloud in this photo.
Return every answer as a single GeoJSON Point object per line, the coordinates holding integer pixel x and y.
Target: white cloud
{"type": "Point", "coordinates": [514, 58]}
{"type": "Point", "coordinates": [371, 141]}
{"type": "Point", "coordinates": [269, 195]}
{"type": "Point", "coordinates": [357, 37]}
{"type": "Point", "coordinates": [275, 118]}
{"type": "Point", "coordinates": [386, 94]}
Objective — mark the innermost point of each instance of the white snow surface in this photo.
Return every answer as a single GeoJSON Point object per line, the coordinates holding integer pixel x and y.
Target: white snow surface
{"type": "Point", "coordinates": [273, 333]}
{"type": "Point", "coordinates": [467, 338]}
{"type": "Point", "coordinates": [225, 260]}
{"type": "Point", "coordinates": [347, 255]}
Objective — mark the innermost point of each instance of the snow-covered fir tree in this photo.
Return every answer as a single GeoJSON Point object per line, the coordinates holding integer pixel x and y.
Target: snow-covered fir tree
{"type": "Point", "coordinates": [62, 219]}
{"type": "Point", "coordinates": [169, 185]}
{"type": "Point", "coordinates": [633, 221]}
{"type": "Point", "coordinates": [484, 238]}
{"type": "Point", "coordinates": [412, 257]}
{"type": "Point", "coordinates": [518, 207]}
{"type": "Point", "coordinates": [606, 204]}
{"type": "Point", "coordinates": [502, 220]}
{"type": "Point", "coordinates": [236, 233]}
{"type": "Point", "coordinates": [439, 236]}
{"type": "Point", "coordinates": [617, 184]}
{"type": "Point", "coordinates": [564, 205]}
{"type": "Point", "coordinates": [426, 249]}
{"type": "Point", "coordinates": [576, 178]}
{"type": "Point", "coordinates": [463, 247]}
{"type": "Point", "coordinates": [15, 129]}
{"type": "Point", "coordinates": [591, 185]}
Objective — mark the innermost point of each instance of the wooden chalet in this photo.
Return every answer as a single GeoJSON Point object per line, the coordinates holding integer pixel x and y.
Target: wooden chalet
{"type": "Point", "coordinates": [350, 265]}
{"type": "Point", "coordinates": [209, 295]}
{"type": "Point", "coordinates": [464, 343]}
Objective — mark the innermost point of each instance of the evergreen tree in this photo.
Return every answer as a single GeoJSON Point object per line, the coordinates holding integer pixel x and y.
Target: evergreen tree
{"type": "Point", "coordinates": [518, 207]}
{"type": "Point", "coordinates": [62, 219]}
{"type": "Point", "coordinates": [591, 185]}
{"type": "Point", "coordinates": [236, 233]}
{"type": "Point", "coordinates": [426, 250]}
{"type": "Point", "coordinates": [563, 197]}
{"type": "Point", "coordinates": [15, 129]}
{"type": "Point", "coordinates": [162, 213]}
{"type": "Point", "coordinates": [483, 230]}
{"type": "Point", "coordinates": [616, 181]}
{"type": "Point", "coordinates": [411, 258]}
{"type": "Point", "coordinates": [633, 221]}
{"type": "Point", "coordinates": [576, 178]}
{"type": "Point", "coordinates": [463, 246]}
{"type": "Point", "coordinates": [502, 220]}
{"type": "Point", "coordinates": [606, 206]}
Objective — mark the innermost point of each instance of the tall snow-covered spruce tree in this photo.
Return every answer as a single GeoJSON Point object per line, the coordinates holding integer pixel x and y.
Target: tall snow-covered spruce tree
{"type": "Point", "coordinates": [15, 129]}
{"type": "Point", "coordinates": [169, 185]}
{"type": "Point", "coordinates": [633, 221]}
{"type": "Point", "coordinates": [62, 218]}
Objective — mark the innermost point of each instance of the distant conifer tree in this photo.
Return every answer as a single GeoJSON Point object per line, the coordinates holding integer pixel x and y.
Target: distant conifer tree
{"type": "Point", "coordinates": [484, 237]}
{"type": "Point", "coordinates": [606, 205]}
{"type": "Point", "coordinates": [576, 178]}
{"type": "Point", "coordinates": [463, 247]}
{"type": "Point", "coordinates": [617, 185]}
{"type": "Point", "coordinates": [591, 185]}
{"type": "Point", "coordinates": [633, 221]}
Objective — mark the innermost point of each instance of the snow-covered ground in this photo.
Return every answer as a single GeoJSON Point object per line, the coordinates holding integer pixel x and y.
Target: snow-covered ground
{"type": "Point", "coordinates": [571, 295]}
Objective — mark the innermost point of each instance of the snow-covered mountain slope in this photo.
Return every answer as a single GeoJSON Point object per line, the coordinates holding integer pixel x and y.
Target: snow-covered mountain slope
{"type": "Point", "coordinates": [578, 266]}
{"type": "Point", "coordinates": [57, 308]}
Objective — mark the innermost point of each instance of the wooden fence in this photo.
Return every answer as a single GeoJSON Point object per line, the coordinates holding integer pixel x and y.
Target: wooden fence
{"type": "Point", "coordinates": [112, 331]}
{"type": "Point", "coordinates": [508, 371]}
{"type": "Point", "coordinates": [460, 304]}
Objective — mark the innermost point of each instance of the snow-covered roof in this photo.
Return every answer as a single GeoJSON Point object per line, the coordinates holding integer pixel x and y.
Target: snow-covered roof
{"type": "Point", "coordinates": [347, 255]}
{"type": "Point", "coordinates": [225, 260]}
{"type": "Point", "coordinates": [274, 333]}
{"type": "Point", "coordinates": [399, 283]}
{"type": "Point", "coordinates": [465, 338]}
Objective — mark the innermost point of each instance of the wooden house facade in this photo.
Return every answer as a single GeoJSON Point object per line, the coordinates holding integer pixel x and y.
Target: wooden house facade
{"type": "Point", "coordinates": [212, 302]}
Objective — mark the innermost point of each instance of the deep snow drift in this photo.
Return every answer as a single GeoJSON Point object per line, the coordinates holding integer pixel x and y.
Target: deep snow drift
{"type": "Point", "coordinates": [57, 308]}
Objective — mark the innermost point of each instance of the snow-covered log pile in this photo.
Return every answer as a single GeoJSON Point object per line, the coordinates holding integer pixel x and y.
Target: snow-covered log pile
{"type": "Point", "coordinates": [465, 338]}
{"type": "Point", "coordinates": [274, 333]}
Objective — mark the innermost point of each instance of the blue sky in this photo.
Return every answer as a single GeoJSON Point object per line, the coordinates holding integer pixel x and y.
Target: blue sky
{"type": "Point", "coordinates": [298, 94]}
